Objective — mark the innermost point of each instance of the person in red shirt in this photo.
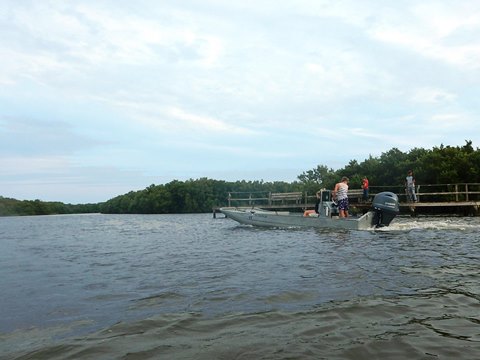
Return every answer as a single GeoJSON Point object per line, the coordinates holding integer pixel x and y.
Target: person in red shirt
{"type": "Point", "coordinates": [365, 188]}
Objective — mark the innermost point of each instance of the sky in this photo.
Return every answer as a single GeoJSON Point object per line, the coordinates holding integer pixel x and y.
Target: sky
{"type": "Point", "coordinates": [102, 97]}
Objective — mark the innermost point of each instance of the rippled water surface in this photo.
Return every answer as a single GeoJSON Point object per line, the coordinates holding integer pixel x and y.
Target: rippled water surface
{"type": "Point", "coordinates": [194, 287]}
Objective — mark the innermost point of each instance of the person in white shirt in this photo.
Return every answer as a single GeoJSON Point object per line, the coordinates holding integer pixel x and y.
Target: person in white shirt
{"type": "Point", "coordinates": [410, 186]}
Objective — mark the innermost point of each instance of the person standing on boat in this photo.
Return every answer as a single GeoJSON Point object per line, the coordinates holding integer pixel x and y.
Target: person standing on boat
{"type": "Point", "coordinates": [410, 186]}
{"type": "Point", "coordinates": [365, 188]}
{"type": "Point", "coordinates": [340, 195]}
{"type": "Point", "coordinates": [317, 202]}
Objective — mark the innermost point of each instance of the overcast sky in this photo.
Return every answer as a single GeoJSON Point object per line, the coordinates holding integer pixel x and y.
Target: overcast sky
{"type": "Point", "coordinates": [98, 98]}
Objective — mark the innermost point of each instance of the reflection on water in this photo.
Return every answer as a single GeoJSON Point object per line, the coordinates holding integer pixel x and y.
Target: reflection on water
{"type": "Point", "coordinates": [191, 287]}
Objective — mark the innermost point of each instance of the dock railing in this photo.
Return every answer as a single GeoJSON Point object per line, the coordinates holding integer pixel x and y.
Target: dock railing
{"type": "Point", "coordinates": [259, 198]}
{"type": "Point", "coordinates": [460, 192]}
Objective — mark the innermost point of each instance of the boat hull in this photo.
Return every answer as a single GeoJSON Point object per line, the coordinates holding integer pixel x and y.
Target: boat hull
{"type": "Point", "coordinates": [258, 217]}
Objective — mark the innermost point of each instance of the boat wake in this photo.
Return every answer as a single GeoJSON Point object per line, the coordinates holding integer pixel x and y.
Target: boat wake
{"type": "Point", "coordinates": [408, 224]}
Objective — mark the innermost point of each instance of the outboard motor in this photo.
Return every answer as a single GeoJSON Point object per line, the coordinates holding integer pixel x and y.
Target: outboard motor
{"type": "Point", "coordinates": [386, 207]}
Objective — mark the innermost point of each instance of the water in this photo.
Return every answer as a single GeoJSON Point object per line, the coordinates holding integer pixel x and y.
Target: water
{"type": "Point", "coordinates": [193, 287]}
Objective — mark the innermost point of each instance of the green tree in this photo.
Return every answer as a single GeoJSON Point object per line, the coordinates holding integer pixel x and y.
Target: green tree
{"type": "Point", "coordinates": [317, 178]}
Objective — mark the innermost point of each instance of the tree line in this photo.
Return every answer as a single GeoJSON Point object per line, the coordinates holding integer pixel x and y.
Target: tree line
{"type": "Point", "coordinates": [12, 207]}
{"type": "Point", "coordinates": [439, 165]}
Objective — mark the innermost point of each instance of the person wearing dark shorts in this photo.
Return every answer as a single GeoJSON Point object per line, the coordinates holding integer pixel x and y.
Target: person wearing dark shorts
{"type": "Point", "coordinates": [340, 194]}
{"type": "Point", "coordinates": [343, 206]}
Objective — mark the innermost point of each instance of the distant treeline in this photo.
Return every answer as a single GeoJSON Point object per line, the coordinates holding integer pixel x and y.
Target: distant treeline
{"type": "Point", "coordinates": [440, 165]}
{"type": "Point", "coordinates": [192, 196]}
{"type": "Point", "coordinates": [11, 207]}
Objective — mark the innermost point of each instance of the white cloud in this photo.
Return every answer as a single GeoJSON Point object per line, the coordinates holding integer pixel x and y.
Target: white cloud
{"type": "Point", "coordinates": [452, 121]}
{"type": "Point", "coordinates": [429, 30]}
{"type": "Point", "coordinates": [131, 39]}
{"type": "Point", "coordinates": [194, 122]}
{"type": "Point", "coordinates": [74, 39]}
{"type": "Point", "coordinates": [31, 165]}
{"type": "Point", "coordinates": [172, 119]}
{"type": "Point", "coordinates": [248, 151]}
{"type": "Point", "coordinates": [443, 19]}
{"type": "Point", "coordinates": [433, 96]}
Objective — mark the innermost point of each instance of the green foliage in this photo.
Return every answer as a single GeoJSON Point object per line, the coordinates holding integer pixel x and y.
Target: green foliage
{"type": "Point", "coordinates": [12, 207]}
{"type": "Point", "coordinates": [319, 177]}
{"type": "Point", "coordinates": [440, 165]}
{"type": "Point", "coordinates": [192, 196]}
{"type": "Point", "coordinates": [446, 165]}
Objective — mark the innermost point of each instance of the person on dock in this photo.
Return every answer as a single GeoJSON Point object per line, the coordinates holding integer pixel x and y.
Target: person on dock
{"type": "Point", "coordinates": [340, 195]}
{"type": "Point", "coordinates": [365, 188]}
{"type": "Point", "coordinates": [410, 186]}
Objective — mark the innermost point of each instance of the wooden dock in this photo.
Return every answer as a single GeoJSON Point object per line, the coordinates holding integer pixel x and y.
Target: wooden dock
{"type": "Point", "coordinates": [438, 199]}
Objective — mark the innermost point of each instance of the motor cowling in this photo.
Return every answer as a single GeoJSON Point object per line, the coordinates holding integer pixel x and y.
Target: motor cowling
{"type": "Point", "coordinates": [386, 207]}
